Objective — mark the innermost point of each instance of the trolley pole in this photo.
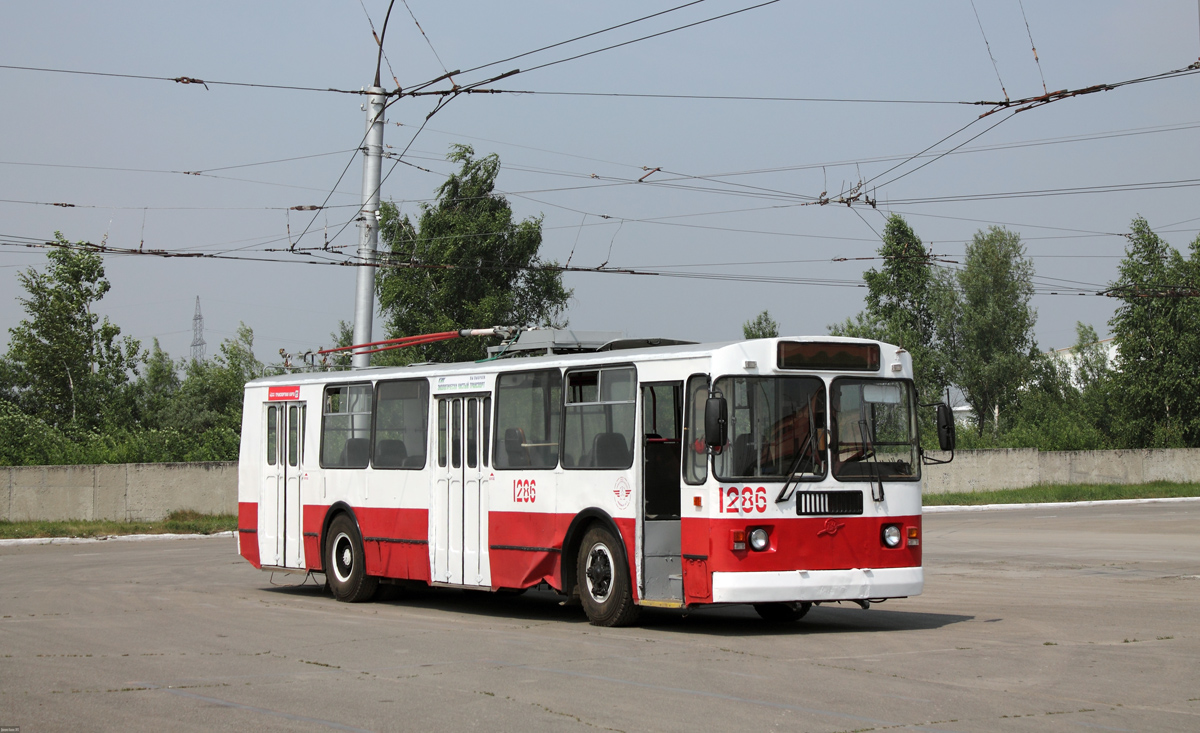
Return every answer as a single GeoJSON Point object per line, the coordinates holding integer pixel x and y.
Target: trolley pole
{"type": "Point", "coordinates": [368, 241]}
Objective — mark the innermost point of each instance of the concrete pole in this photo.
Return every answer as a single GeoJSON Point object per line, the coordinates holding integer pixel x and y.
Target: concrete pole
{"type": "Point", "coordinates": [368, 242]}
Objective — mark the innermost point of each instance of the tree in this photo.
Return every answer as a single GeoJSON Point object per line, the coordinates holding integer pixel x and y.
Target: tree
{"type": "Point", "coordinates": [468, 265]}
{"type": "Point", "coordinates": [1157, 382]}
{"type": "Point", "coordinates": [65, 365]}
{"type": "Point", "coordinates": [210, 397]}
{"type": "Point", "coordinates": [1063, 404]}
{"type": "Point", "coordinates": [992, 346]}
{"type": "Point", "coordinates": [157, 388]}
{"type": "Point", "coordinates": [762, 327]}
{"type": "Point", "coordinates": [902, 306]}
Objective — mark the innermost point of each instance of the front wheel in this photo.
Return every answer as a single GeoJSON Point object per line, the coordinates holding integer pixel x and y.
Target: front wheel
{"type": "Point", "coordinates": [604, 587]}
{"type": "Point", "coordinates": [779, 613]}
{"type": "Point", "coordinates": [345, 569]}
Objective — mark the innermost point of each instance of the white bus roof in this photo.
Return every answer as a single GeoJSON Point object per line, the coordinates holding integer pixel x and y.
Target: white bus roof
{"type": "Point", "coordinates": [618, 356]}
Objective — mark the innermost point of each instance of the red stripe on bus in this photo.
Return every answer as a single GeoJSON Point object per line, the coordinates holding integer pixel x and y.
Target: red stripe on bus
{"type": "Point", "coordinates": [802, 543]}
{"type": "Point", "coordinates": [540, 537]}
{"type": "Point", "coordinates": [401, 552]}
{"type": "Point", "coordinates": [248, 539]}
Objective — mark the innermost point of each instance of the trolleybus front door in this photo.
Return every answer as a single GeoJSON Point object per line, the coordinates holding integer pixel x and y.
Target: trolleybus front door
{"type": "Point", "coordinates": [279, 536]}
{"type": "Point", "coordinates": [662, 450]}
{"type": "Point", "coordinates": [459, 512]}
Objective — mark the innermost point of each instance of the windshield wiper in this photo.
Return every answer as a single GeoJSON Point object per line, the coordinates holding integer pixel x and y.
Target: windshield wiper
{"type": "Point", "coordinates": [791, 474]}
{"type": "Point", "coordinates": [869, 449]}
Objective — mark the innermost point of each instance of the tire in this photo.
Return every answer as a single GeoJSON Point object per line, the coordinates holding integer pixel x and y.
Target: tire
{"type": "Point", "coordinates": [781, 613]}
{"type": "Point", "coordinates": [345, 565]}
{"type": "Point", "coordinates": [603, 573]}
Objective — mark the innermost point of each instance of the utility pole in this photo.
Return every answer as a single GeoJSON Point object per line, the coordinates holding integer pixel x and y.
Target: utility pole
{"type": "Point", "coordinates": [368, 241]}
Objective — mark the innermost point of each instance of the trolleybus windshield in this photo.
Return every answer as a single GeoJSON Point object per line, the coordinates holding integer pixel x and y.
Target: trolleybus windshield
{"type": "Point", "coordinates": [773, 423]}
{"type": "Point", "coordinates": [874, 430]}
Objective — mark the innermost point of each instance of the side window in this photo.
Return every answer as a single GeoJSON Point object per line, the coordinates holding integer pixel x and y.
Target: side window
{"type": "Point", "coordinates": [695, 453]}
{"type": "Point", "coordinates": [303, 430]}
{"type": "Point", "coordinates": [486, 433]}
{"type": "Point", "coordinates": [443, 412]}
{"type": "Point", "coordinates": [401, 424]}
{"type": "Point", "coordinates": [346, 427]}
{"type": "Point", "coordinates": [456, 434]}
{"type": "Point", "coordinates": [600, 418]}
{"type": "Point", "coordinates": [294, 426]}
{"type": "Point", "coordinates": [528, 413]}
{"type": "Point", "coordinates": [662, 449]}
{"type": "Point", "coordinates": [272, 435]}
{"type": "Point", "coordinates": [472, 433]}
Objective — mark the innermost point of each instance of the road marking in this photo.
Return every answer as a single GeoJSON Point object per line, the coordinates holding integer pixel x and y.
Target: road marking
{"type": "Point", "coordinates": [1051, 505]}
{"type": "Point", "coordinates": [109, 538]}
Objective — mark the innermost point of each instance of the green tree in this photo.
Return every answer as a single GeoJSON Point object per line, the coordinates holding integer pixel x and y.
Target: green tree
{"type": "Point", "coordinates": [991, 322]}
{"type": "Point", "coordinates": [1062, 405]}
{"type": "Point", "coordinates": [65, 365]}
{"type": "Point", "coordinates": [210, 396]}
{"type": "Point", "coordinates": [902, 306]}
{"type": "Point", "coordinates": [763, 326]}
{"type": "Point", "coordinates": [156, 388]}
{"type": "Point", "coordinates": [468, 265]}
{"type": "Point", "coordinates": [1157, 381]}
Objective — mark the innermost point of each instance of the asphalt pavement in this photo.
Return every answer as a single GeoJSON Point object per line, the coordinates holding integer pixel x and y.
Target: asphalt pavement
{"type": "Point", "coordinates": [1061, 618]}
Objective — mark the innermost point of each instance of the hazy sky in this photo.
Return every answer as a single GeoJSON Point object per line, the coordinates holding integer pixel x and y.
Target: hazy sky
{"type": "Point", "coordinates": [61, 136]}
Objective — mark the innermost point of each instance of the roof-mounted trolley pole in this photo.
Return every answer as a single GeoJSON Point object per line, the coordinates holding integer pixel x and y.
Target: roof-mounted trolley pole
{"type": "Point", "coordinates": [364, 350]}
{"type": "Point", "coordinates": [368, 219]}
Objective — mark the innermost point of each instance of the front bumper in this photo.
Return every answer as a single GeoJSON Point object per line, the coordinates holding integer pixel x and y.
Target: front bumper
{"type": "Point", "coordinates": [816, 585]}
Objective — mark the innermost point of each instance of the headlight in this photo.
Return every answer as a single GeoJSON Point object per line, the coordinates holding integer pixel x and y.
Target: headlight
{"type": "Point", "coordinates": [759, 540]}
{"type": "Point", "coordinates": [891, 535]}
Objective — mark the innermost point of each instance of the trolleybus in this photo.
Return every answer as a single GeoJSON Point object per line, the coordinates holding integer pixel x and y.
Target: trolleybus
{"type": "Point", "coordinates": [778, 472]}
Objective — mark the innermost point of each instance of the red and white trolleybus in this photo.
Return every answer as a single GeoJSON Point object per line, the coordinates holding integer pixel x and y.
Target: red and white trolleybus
{"type": "Point", "coordinates": [777, 472]}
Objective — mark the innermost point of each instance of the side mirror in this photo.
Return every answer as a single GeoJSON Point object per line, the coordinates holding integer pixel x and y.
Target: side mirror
{"type": "Point", "coordinates": [945, 427]}
{"type": "Point", "coordinates": [716, 420]}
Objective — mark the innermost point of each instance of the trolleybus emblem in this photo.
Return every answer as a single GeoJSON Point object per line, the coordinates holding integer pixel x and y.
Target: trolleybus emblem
{"type": "Point", "coordinates": [831, 528]}
{"type": "Point", "coordinates": [622, 491]}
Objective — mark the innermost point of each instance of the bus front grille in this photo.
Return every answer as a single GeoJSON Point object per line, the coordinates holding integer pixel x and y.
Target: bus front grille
{"type": "Point", "coordinates": [828, 503]}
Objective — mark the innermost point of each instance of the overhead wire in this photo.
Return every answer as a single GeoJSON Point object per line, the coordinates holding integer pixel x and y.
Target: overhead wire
{"type": "Point", "coordinates": [1033, 46]}
{"type": "Point", "coordinates": [427, 40]}
{"type": "Point", "coordinates": [1069, 287]}
{"type": "Point", "coordinates": [182, 80]}
{"type": "Point", "coordinates": [617, 45]}
{"type": "Point", "coordinates": [989, 50]}
{"type": "Point", "coordinates": [582, 37]}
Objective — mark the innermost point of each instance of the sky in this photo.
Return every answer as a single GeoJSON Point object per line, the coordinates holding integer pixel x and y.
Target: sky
{"type": "Point", "coordinates": [727, 218]}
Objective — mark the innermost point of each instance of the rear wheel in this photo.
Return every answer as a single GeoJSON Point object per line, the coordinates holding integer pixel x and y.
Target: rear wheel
{"type": "Point", "coordinates": [604, 587]}
{"type": "Point", "coordinates": [345, 568]}
{"type": "Point", "coordinates": [779, 613]}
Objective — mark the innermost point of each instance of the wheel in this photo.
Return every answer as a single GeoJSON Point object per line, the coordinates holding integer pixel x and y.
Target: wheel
{"type": "Point", "coordinates": [345, 569]}
{"type": "Point", "coordinates": [603, 573]}
{"type": "Point", "coordinates": [778, 613]}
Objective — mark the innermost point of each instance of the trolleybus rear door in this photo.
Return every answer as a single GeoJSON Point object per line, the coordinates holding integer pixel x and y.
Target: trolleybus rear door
{"type": "Point", "coordinates": [459, 516]}
{"type": "Point", "coordinates": [279, 535]}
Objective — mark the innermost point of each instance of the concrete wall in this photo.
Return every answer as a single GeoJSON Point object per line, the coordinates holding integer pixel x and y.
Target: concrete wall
{"type": "Point", "coordinates": [983, 470]}
{"type": "Point", "coordinates": [128, 492]}
{"type": "Point", "coordinates": [149, 491]}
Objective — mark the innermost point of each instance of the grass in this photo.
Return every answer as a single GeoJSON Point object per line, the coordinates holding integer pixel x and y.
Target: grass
{"type": "Point", "coordinates": [1065, 492]}
{"type": "Point", "coordinates": [184, 521]}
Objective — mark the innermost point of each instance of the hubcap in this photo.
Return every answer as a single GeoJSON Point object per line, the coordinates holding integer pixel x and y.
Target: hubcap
{"type": "Point", "coordinates": [599, 573]}
{"type": "Point", "coordinates": [343, 557]}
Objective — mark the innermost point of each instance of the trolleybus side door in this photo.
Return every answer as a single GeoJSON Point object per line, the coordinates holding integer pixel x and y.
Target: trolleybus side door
{"type": "Point", "coordinates": [459, 512]}
{"type": "Point", "coordinates": [662, 452]}
{"type": "Point", "coordinates": [279, 529]}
